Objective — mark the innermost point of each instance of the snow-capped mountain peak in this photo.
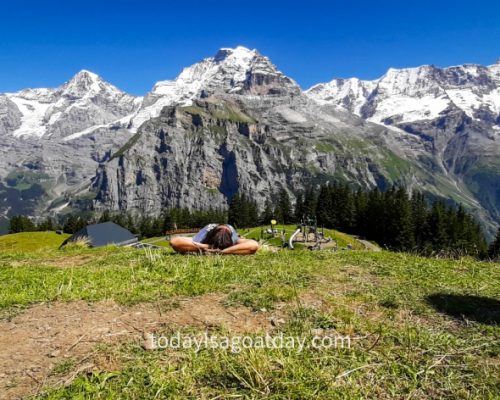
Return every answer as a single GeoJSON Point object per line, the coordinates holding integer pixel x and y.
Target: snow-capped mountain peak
{"type": "Point", "coordinates": [86, 84]}
{"type": "Point", "coordinates": [83, 101]}
{"type": "Point", "coordinates": [238, 53]}
{"type": "Point", "coordinates": [238, 71]}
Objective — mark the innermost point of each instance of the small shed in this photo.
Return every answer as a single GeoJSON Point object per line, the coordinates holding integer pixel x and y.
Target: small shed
{"type": "Point", "coordinates": [103, 234]}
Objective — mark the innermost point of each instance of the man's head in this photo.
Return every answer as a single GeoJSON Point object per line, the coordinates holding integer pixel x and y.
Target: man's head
{"type": "Point", "coordinates": [219, 238]}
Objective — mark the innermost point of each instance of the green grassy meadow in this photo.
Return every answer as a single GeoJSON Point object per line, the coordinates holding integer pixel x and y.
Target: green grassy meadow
{"type": "Point", "coordinates": [420, 328]}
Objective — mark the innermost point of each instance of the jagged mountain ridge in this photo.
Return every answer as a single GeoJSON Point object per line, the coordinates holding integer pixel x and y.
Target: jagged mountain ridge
{"type": "Point", "coordinates": [413, 94]}
{"type": "Point", "coordinates": [322, 139]}
{"type": "Point", "coordinates": [235, 71]}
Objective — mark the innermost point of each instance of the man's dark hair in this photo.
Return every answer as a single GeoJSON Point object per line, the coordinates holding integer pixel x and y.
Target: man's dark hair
{"type": "Point", "coordinates": [219, 238]}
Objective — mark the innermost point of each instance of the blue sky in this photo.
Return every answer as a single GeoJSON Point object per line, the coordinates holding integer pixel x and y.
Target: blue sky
{"type": "Point", "coordinates": [134, 43]}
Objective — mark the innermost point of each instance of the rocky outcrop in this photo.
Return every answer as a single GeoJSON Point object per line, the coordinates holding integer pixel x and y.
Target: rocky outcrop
{"type": "Point", "coordinates": [10, 116]}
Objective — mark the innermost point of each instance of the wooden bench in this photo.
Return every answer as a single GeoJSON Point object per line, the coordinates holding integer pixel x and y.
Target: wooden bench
{"type": "Point", "coordinates": [181, 231]}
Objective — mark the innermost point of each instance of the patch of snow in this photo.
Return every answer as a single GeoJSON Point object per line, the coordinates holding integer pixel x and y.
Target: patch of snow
{"type": "Point", "coordinates": [292, 115]}
{"type": "Point", "coordinates": [61, 207]}
{"type": "Point", "coordinates": [32, 121]}
{"type": "Point", "coordinates": [86, 131]}
{"type": "Point", "coordinates": [410, 109]}
{"type": "Point", "coordinates": [348, 94]}
{"type": "Point", "coordinates": [468, 100]}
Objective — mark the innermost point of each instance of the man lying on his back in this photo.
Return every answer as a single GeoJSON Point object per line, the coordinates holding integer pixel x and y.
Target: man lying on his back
{"type": "Point", "coordinates": [215, 238]}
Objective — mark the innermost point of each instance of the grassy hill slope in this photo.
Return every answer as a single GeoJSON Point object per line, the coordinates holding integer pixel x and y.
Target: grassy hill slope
{"type": "Point", "coordinates": [31, 241]}
{"type": "Point", "coordinates": [419, 328]}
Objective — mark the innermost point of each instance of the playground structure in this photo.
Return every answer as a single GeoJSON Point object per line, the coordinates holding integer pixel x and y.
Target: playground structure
{"type": "Point", "coordinates": [307, 232]}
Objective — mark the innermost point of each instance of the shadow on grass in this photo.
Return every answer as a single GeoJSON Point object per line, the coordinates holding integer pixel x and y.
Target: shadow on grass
{"type": "Point", "coordinates": [481, 309]}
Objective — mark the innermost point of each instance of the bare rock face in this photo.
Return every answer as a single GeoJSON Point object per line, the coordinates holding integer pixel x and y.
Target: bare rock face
{"type": "Point", "coordinates": [10, 116]}
{"type": "Point", "coordinates": [198, 156]}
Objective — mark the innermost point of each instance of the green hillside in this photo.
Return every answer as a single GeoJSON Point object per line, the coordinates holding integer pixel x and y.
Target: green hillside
{"type": "Point", "coordinates": [419, 328]}
{"type": "Point", "coordinates": [31, 241]}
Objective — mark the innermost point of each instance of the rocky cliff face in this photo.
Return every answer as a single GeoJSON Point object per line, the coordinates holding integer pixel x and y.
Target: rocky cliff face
{"type": "Point", "coordinates": [10, 116]}
{"type": "Point", "coordinates": [200, 155]}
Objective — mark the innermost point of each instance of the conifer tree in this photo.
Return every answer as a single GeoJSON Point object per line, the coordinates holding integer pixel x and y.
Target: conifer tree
{"type": "Point", "coordinates": [437, 227]}
{"type": "Point", "coordinates": [21, 223]}
{"type": "Point", "coordinates": [130, 224]}
{"type": "Point", "coordinates": [235, 211]}
{"type": "Point", "coordinates": [419, 219]}
{"type": "Point", "coordinates": [403, 238]}
{"type": "Point", "coordinates": [299, 207]}
{"type": "Point", "coordinates": [48, 224]}
{"type": "Point", "coordinates": [310, 202]}
{"type": "Point", "coordinates": [105, 217]}
{"type": "Point", "coordinates": [268, 213]}
{"type": "Point", "coordinates": [494, 249]}
{"type": "Point", "coordinates": [284, 207]}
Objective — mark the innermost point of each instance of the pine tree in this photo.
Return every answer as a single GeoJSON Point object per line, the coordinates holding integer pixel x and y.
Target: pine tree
{"type": "Point", "coordinates": [105, 217]}
{"type": "Point", "coordinates": [360, 204]}
{"type": "Point", "coordinates": [130, 224]}
{"type": "Point", "coordinates": [253, 213]}
{"type": "Point", "coordinates": [325, 212]}
{"type": "Point", "coordinates": [71, 224]}
{"type": "Point", "coordinates": [347, 211]}
{"type": "Point", "coordinates": [47, 224]}
{"type": "Point", "coordinates": [284, 208]}
{"type": "Point", "coordinates": [419, 219]}
{"type": "Point", "coordinates": [299, 207]}
{"type": "Point", "coordinates": [402, 219]}
{"type": "Point", "coordinates": [438, 235]}
{"type": "Point", "coordinates": [494, 249]}
{"type": "Point", "coordinates": [268, 213]}
{"type": "Point", "coordinates": [235, 212]}
{"type": "Point", "coordinates": [146, 227]}
{"type": "Point", "coordinates": [373, 220]}
{"type": "Point", "coordinates": [310, 202]}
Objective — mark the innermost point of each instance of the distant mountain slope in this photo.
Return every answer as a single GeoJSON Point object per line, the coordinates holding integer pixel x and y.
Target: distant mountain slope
{"type": "Point", "coordinates": [455, 110]}
{"type": "Point", "coordinates": [53, 140]}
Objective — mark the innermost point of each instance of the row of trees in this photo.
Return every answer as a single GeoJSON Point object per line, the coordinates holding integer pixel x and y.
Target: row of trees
{"type": "Point", "coordinates": [398, 221]}
{"type": "Point", "coordinates": [145, 226]}
{"type": "Point", "coordinates": [393, 218]}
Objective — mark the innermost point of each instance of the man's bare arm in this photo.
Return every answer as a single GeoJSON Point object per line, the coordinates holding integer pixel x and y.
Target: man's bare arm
{"type": "Point", "coordinates": [242, 246]}
{"type": "Point", "coordinates": [186, 245]}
